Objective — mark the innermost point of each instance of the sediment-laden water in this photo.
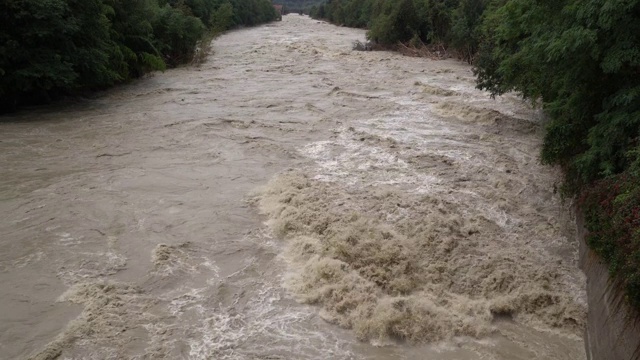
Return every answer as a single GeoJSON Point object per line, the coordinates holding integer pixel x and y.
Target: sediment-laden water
{"type": "Point", "coordinates": [289, 199]}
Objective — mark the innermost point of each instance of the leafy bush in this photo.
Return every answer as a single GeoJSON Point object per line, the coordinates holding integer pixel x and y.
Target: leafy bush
{"type": "Point", "coordinates": [176, 34]}
{"type": "Point", "coordinates": [612, 218]}
{"type": "Point", "coordinates": [45, 46]}
{"type": "Point", "coordinates": [581, 59]}
{"type": "Point", "coordinates": [465, 31]}
{"type": "Point", "coordinates": [222, 18]}
{"type": "Point", "coordinates": [393, 22]}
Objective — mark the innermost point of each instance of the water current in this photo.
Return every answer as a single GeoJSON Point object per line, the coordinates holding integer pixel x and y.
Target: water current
{"type": "Point", "coordinates": [288, 199]}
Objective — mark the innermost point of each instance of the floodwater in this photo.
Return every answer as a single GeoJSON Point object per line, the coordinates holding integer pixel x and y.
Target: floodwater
{"type": "Point", "coordinates": [288, 199]}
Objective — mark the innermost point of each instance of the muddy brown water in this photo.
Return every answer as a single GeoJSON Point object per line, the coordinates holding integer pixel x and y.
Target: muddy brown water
{"type": "Point", "coordinates": [289, 199]}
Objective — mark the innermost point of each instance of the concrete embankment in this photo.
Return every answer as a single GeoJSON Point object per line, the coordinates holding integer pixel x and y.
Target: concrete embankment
{"type": "Point", "coordinates": [612, 331]}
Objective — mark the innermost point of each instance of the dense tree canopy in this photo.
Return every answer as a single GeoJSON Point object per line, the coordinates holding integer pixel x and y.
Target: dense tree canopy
{"type": "Point", "coordinates": [581, 59]}
{"type": "Point", "coordinates": [452, 22]}
{"type": "Point", "coordinates": [53, 47]}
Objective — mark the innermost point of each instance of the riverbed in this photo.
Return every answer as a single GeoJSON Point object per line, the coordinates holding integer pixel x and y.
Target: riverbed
{"type": "Point", "coordinates": [288, 199]}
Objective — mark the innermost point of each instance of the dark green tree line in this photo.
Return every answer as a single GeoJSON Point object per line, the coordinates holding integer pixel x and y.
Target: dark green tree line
{"type": "Point", "coordinates": [581, 60]}
{"type": "Point", "coordinates": [454, 23]}
{"type": "Point", "coordinates": [54, 47]}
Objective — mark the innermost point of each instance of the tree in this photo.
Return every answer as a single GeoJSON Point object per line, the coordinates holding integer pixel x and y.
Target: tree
{"type": "Point", "coordinates": [176, 34]}
{"type": "Point", "coordinates": [581, 59]}
{"type": "Point", "coordinates": [222, 18]}
{"type": "Point", "coordinates": [465, 32]}
{"type": "Point", "coordinates": [49, 45]}
{"type": "Point", "coordinates": [50, 48]}
{"type": "Point", "coordinates": [393, 22]}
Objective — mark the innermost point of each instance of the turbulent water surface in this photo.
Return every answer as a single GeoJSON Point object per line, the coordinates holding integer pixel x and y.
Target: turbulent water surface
{"type": "Point", "coordinates": [289, 199]}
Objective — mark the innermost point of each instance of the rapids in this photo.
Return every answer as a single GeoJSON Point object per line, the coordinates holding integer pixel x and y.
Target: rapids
{"type": "Point", "coordinates": [288, 199]}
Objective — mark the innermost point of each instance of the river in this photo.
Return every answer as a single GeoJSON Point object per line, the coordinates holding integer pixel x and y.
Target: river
{"type": "Point", "coordinates": [288, 199]}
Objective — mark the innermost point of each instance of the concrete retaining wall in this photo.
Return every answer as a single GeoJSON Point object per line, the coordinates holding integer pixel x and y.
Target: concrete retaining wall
{"type": "Point", "coordinates": [611, 333]}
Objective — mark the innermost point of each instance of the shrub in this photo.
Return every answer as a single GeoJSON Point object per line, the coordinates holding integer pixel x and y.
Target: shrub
{"type": "Point", "coordinates": [176, 34]}
{"type": "Point", "coordinates": [612, 218]}
{"type": "Point", "coordinates": [581, 59]}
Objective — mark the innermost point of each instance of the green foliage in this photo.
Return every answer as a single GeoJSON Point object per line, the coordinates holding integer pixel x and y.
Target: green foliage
{"type": "Point", "coordinates": [252, 12]}
{"type": "Point", "coordinates": [439, 14]}
{"type": "Point", "coordinates": [132, 31]}
{"type": "Point", "coordinates": [581, 59]}
{"type": "Point", "coordinates": [318, 12]}
{"type": "Point", "coordinates": [54, 47]}
{"type": "Point", "coordinates": [612, 218]}
{"type": "Point", "coordinates": [176, 34]}
{"type": "Point", "coordinates": [393, 22]}
{"type": "Point", "coordinates": [465, 32]}
{"type": "Point", "coordinates": [222, 18]}
{"type": "Point", "coordinates": [31, 33]}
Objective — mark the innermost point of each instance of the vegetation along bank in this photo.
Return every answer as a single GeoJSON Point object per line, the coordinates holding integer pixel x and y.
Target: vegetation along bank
{"type": "Point", "coordinates": [50, 48]}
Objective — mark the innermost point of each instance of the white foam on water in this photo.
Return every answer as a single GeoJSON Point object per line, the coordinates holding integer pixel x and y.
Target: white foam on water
{"type": "Point", "coordinates": [356, 159]}
{"type": "Point", "coordinates": [406, 226]}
